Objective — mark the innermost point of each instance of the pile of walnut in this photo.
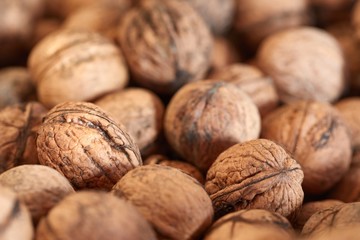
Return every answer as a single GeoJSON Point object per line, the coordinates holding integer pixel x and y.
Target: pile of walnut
{"type": "Point", "coordinates": [179, 119]}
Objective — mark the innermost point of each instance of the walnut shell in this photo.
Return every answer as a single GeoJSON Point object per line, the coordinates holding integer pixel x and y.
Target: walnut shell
{"type": "Point", "coordinates": [38, 187]}
{"type": "Point", "coordinates": [18, 126]}
{"type": "Point", "coordinates": [174, 203]}
{"type": "Point", "coordinates": [250, 225]}
{"type": "Point", "coordinates": [94, 215]}
{"type": "Point", "coordinates": [205, 118]}
{"type": "Point", "coordinates": [84, 144]}
{"type": "Point", "coordinates": [347, 232]}
{"type": "Point", "coordinates": [255, 174]}
{"type": "Point", "coordinates": [252, 81]}
{"type": "Point", "coordinates": [305, 64]}
{"type": "Point", "coordinates": [140, 111]}
{"type": "Point", "coordinates": [15, 220]}
{"type": "Point", "coordinates": [316, 136]}
{"type": "Point", "coordinates": [224, 53]}
{"type": "Point", "coordinates": [166, 44]}
{"type": "Point", "coordinates": [75, 65]}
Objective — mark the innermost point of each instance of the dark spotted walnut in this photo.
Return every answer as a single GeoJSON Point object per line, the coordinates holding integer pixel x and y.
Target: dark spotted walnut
{"type": "Point", "coordinates": [251, 225]}
{"type": "Point", "coordinates": [18, 126]}
{"type": "Point", "coordinates": [15, 220]}
{"type": "Point", "coordinates": [94, 215]}
{"type": "Point", "coordinates": [84, 144]}
{"type": "Point", "coordinates": [205, 118]}
{"type": "Point", "coordinates": [38, 187]}
{"type": "Point", "coordinates": [316, 136]}
{"type": "Point", "coordinates": [166, 44]}
{"type": "Point", "coordinates": [174, 203]}
{"type": "Point", "coordinates": [255, 174]}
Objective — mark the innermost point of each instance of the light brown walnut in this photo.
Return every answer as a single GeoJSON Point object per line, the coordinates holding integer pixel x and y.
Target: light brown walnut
{"type": "Point", "coordinates": [89, 148]}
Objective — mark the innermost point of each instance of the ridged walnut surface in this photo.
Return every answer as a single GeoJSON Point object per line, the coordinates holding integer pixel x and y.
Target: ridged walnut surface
{"type": "Point", "coordinates": [80, 141]}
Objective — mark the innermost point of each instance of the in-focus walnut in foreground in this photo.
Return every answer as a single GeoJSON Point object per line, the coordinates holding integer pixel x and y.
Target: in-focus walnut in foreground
{"type": "Point", "coordinates": [255, 174]}
{"type": "Point", "coordinates": [79, 140]}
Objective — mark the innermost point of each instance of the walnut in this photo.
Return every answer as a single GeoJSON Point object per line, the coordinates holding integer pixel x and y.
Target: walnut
{"type": "Point", "coordinates": [15, 220]}
{"type": "Point", "coordinates": [252, 81]}
{"type": "Point", "coordinates": [205, 118]}
{"type": "Point", "coordinates": [174, 203]}
{"type": "Point", "coordinates": [140, 111]}
{"type": "Point", "coordinates": [255, 174]}
{"type": "Point", "coordinates": [224, 53]}
{"type": "Point", "coordinates": [331, 11]}
{"type": "Point", "coordinates": [166, 44]}
{"type": "Point", "coordinates": [305, 64]}
{"type": "Point", "coordinates": [84, 144]}
{"type": "Point", "coordinates": [75, 65]}
{"type": "Point", "coordinates": [43, 28]}
{"type": "Point", "coordinates": [347, 232]}
{"type": "Point", "coordinates": [94, 215]}
{"type": "Point", "coordinates": [38, 187]}
{"type": "Point", "coordinates": [18, 126]}
{"type": "Point", "coordinates": [183, 166]}
{"type": "Point", "coordinates": [15, 86]}
{"type": "Point", "coordinates": [251, 224]}
{"type": "Point", "coordinates": [316, 136]}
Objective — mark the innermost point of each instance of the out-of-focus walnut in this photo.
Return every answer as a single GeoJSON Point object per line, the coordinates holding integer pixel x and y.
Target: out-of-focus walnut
{"type": "Point", "coordinates": [140, 111]}
{"type": "Point", "coordinates": [15, 220]}
{"type": "Point", "coordinates": [38, 187]}
{"type": "Point", "coordinates": [42, 28]}
{"type": "Point", "coordinates": [174, 203]}
{"type": "Point", "coordinates": [18, 127]}
{"type": "Point", "coordinates": [75, 65]}
{"type": "Point", "coordinates": [183, 166]}
{"type": "Point", "coordinates": [224, 53]}
{"type": "Point", "coordinates": [84, 144]}
{"type": "Point", "coordinates": [255, 174]}
{"type": "Point", "coordinates": [305, 64]}
{"type": "Point", "coordinates": [15, 86]}
{"type": "Point", "coordinates": [94, 215]}
{"type": "Point", "coordinates": [205, 118]}
{"type": "Point", "coordinates": [316, 136]}
{"type": "Point", "coordinates": [251, 224]}
{"type": "Point", "coordinates": [166, 44]}
{"type": "Point", "coordinates": [331, 11]}
{"type": "Point", "coordinates": [252, 81]}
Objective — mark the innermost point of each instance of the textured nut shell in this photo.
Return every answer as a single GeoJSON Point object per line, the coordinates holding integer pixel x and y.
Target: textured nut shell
{"type": "Point", "coordinates": [38, 187]}
{"type": "Point", "coordinates": [174, 203]}
{"type": "Point", "coordinates": [316, 136]}
{"type": "Point", "coordinates": [15, 220]}
{"type": "Point", "coordinates": [93, 216]}
{"type": "Point", "coordinates": [183, 166]}
{"type": "Point", "coordinates": [255, 174]}
{"type": "Point", "coordinates": [84, 144]}
{"type": "Point", "coordinates": [18, 127]}
{"type": "Point", "coordinates": [139, 110]}
{"type": "Point", "coordinates": [74, 65]}
{"type": "Point", "coordinates": [166, 44]}
{"type": "Point", "coordinates": [249, 225]}
{"type": "Point", "coordinates": [305, 64]}
{"type": "Point", "coordinates": [252, 81]}
{"type": "Point", "coordinates": [205, 118]}
{"type": "Point", "coordinates": [347, 232]}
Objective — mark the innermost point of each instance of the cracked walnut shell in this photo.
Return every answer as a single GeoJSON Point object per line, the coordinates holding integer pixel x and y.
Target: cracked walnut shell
{"type": "Point", "coordinates": [84, 144]}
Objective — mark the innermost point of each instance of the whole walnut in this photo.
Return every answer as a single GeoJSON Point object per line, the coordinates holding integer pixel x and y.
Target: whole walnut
{"type": "Point", "coordinates": [255, 174]}
{"type": "Point", "coordinates": [140, 111]}
{"type": "Point", "coordinates": [174, 203]}
{"type": "Point", "coordinates": [205, 118]}
{"type": "Point", "coordinates": [252, 81]}
{"type": "Point", "coordinates": [94, 215]}
{"type": "Point", "coordinates": [224, 53]}
{"type": "Point", "coordinates": [15, 220]}
{"type": "Point", "coordinates": [183, 166]}
{"type": "Point", "coordinates": [166, 44]}
{"type": "Point", "coordinates": [18, 126]}
{"type": "Point", "coordinates": [316, 136]}
{"type": "Point", "coordinates": [38, 187]}
{"type": "Point", "coordinates": [15, 86]}
{"type": "Point", "coordinates": [257, 19]}
{"type": "Point", "coordinates": [305, 64]}
{"type": "Point", "coordinates": [75, 65]}
{"type": "Point", "coordinates": [89, 148]}
{"type": "Point", "coordinates": [251, 224]}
